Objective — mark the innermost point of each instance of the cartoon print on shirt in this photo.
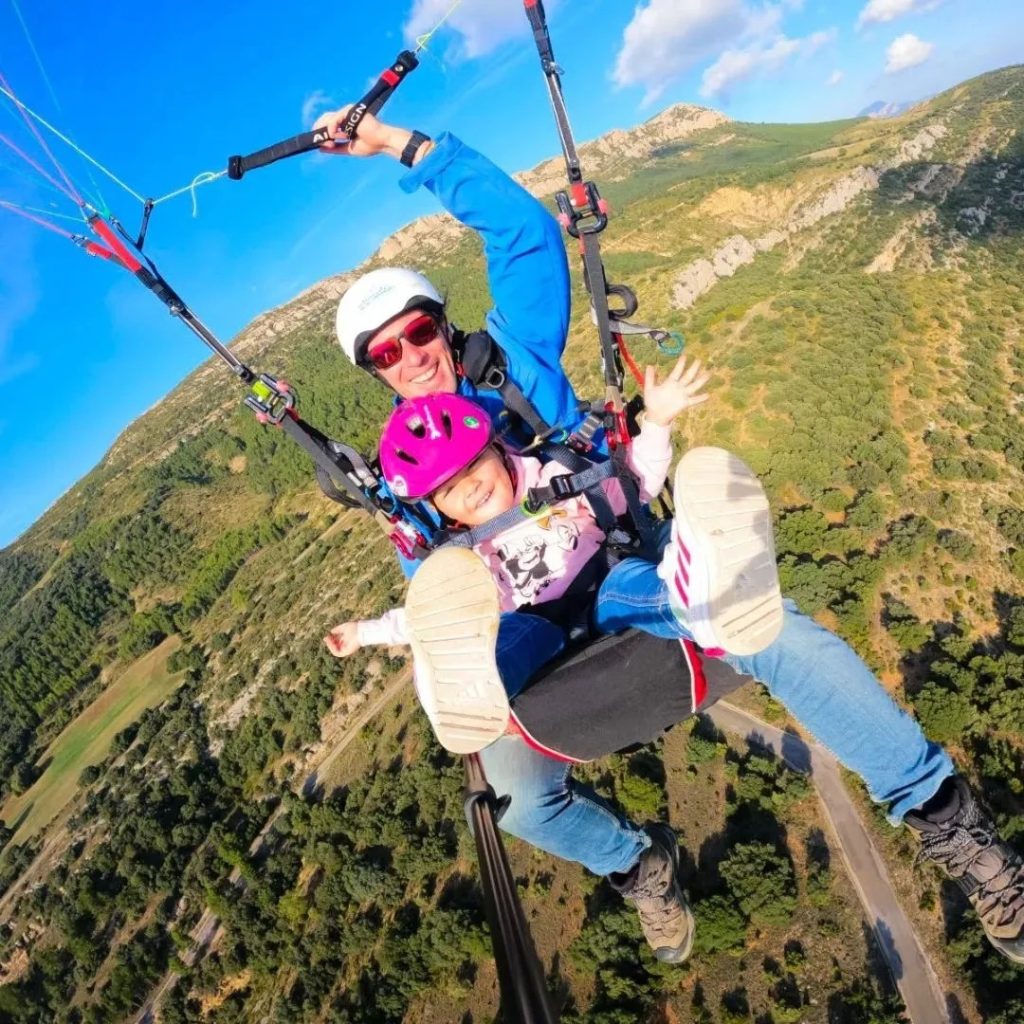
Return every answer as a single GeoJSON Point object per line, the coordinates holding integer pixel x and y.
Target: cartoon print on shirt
{"type": "Point", "coordinates": [524, 560]}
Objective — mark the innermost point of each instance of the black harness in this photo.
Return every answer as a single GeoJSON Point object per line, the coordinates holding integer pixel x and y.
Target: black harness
{"type": "Point", "coordinates": [483, 364]}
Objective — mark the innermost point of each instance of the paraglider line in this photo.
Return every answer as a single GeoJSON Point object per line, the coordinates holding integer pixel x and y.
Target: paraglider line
{"type": "Point", "coordinates": [23, 212]}
{"type": "Point", "coordinates": [5, 91]}
{"type": "Point", "coordinates": [35, 53]}
{"type": "Point", "coordinates": [204, 178]}
{"type": "Point", "coordinates": [421, 41]}
{"type": "Point", "coordinates": [5, 85]}
{"type": "Point", "coordinates": [73, 196]}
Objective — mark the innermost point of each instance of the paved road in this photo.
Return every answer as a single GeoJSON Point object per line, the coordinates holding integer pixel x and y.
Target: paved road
{"type": "Point", "coordinates": [925, 1001]}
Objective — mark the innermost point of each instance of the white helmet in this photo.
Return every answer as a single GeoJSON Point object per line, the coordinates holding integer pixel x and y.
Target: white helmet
{"type": "Point", "coordinates": [375, 299]}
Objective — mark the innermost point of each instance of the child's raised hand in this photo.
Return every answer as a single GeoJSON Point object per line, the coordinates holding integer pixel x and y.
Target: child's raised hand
{"type": "Point", "coordinates": [343, 640]}
{"type": "Point", "coordinates": [678, 391]}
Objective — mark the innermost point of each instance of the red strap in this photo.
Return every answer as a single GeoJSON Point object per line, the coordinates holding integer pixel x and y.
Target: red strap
{"type": "Point", "coordinates": [95, 249]}
{"type": "Point", "coordinates": [628, 359]}
{"type": "Point", "coordinates": [107, 233]}
{"type": "Point", "coordinates": [390, 77]}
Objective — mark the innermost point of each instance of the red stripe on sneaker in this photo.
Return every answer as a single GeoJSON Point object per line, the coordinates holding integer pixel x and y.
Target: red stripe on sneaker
{"type": "Point", "coordinates": [681, 590]}
{"type": "Point", "coordinates": [681, 566]}
{"type": "Point", "coordinates": [683, 548]}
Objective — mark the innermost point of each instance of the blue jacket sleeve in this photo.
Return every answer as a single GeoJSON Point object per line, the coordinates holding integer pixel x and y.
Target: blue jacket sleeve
{"type": "Point", "coordinates": [526, 266]}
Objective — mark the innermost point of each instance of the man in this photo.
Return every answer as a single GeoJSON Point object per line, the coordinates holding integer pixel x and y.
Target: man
{"type": "Point", "coordinates": [815, 674]}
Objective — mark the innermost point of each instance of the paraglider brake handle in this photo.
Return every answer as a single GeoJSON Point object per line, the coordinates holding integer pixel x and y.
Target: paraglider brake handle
{"type": "Point", "coordinates": [380, 92]}
{"type": "Point", "coordinates": [585, 204]}
{"type": "Point", "coordinates": [271, 399]}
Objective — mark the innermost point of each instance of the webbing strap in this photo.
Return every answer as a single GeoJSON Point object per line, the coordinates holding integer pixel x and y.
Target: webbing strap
{"type": "Point", "coordinates": [559, 488]}
{"type": "Point", "coordinates": [569, 485]}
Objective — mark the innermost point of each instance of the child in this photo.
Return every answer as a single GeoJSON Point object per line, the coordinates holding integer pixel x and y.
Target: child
{"type": "Point", "coordinates": [716, 578]}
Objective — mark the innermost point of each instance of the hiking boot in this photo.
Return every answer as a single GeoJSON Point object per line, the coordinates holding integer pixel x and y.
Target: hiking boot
{"type": "Point", "coordinates": [957, 834]}
{"type": "Point", "coordinates": [653, 885]}
{"type": "Point", "coordinates": [720, 566]}
{"type": "Point", "coordinates": [452, 614]}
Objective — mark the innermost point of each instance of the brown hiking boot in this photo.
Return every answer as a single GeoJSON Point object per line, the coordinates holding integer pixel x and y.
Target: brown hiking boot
{"type": "Point", "coordinates": [653, 885]}
{"type": "Point", "coordinates": [957, 834]}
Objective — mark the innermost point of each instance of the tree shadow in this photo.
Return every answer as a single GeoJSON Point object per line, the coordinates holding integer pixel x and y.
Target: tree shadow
{"type": "Point", "coordinates": [887, 947]}
{"type": "Point", "coordinates": [559, 987]}
{"type": "Point", "coordinates": [817, 849]}
{"type": "Point", "coordinates": [461, 892]}
{"type": "Point", "coordinates": [872, 995]}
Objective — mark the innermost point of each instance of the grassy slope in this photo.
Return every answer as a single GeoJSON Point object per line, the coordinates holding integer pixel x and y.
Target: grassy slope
{"type": "Point", "coordinates": [144, 684]}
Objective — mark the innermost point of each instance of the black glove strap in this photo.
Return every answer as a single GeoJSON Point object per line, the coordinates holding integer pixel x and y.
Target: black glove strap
{"type": "Point", "coordinates": [412, 147]}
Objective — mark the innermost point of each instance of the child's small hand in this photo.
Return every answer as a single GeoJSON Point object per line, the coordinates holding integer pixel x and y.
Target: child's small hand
{"type": "Point", "coordinates": [678, 391]}
{"type": "Point", "coordinates": [343, 640]}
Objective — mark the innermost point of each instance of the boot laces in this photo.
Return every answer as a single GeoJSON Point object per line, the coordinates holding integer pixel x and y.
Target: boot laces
{"type": "Point", "coordinates": [656, 903]}
{"type": "Point", "coordinates": [959, 847]}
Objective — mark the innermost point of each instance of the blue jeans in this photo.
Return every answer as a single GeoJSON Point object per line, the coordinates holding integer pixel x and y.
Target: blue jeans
{"type": "Point", "coordinates": [817, 676]}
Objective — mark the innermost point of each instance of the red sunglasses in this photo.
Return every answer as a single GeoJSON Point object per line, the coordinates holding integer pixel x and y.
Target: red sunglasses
{"type": "Point", "coordinates": [419, 332]}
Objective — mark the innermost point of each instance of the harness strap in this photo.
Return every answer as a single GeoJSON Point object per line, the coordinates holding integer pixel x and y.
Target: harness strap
{"type": "Point", "coordinates": [587, 482]}
{"type": "Point", "coordinates": [567, 485]}
{"type": "Point", "coordinates": [483, 364]}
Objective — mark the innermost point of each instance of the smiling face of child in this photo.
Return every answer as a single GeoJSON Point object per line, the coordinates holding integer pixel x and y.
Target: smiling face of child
{"type": "Point", "coordinates": [480, 492]}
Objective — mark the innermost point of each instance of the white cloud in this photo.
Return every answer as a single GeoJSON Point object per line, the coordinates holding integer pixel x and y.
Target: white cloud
{"type": "Point", "coordinates": [316, 103]}
{"type": "Point", "coordinates": [761, 56]}
{"type": "Point", "coordinates": [906, 51]}
{"type": "Point", "coordinates": [835, 78]}
{"type": "Point", "coordinates": [878, 11]}
{"type": "Point", "coordinates": [482, 26]}
{"type": "Point", "coordinates": [668, 37]}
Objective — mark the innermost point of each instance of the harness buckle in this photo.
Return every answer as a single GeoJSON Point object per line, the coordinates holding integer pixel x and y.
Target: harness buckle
{"type": "Point", "coordinates": [586, 204]}
{"type": "Point", "coordinates": [494, 378]}
{"type": "Point", "coordinates": [406, 538]}
{"type": "Point", "coordinates": [561, 487]}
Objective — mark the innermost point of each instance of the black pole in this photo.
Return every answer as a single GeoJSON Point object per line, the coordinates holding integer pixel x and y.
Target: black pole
{"type": "Point", "coordinates": [524, 996]}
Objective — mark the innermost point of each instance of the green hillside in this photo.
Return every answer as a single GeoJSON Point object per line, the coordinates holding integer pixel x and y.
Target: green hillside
{"type": "Point", "coordinates": [857, 288]}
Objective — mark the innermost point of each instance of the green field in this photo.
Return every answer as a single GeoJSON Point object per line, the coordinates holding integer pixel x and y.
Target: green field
{"type": "Point", "coordinates": [87, 739]}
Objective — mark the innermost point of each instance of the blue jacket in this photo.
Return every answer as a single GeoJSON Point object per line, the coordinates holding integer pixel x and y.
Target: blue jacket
{"type": "Point", "coordinates": [527, 273]}
{"type": "Point", "coordinates": [526, 270]}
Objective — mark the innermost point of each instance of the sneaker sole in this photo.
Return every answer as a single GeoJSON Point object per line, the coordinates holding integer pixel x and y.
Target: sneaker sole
{"type": "Point", "coordinates": [452, 612]}
{"type": "Point", "coordinates": [667, 954]}
{"type": "Point", "coordinates": [726, 579]}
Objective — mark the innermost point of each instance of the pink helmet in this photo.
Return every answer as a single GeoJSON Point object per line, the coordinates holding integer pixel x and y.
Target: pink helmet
{"type": "Point", "coordinates": [429, 440]}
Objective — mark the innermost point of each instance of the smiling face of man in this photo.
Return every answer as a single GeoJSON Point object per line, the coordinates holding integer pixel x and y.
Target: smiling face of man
{"type": "Point", "coordinates": [425, 364]}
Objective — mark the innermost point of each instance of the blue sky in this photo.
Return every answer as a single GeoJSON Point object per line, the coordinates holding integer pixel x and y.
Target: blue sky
{"type": "Point", "coordinates": [161, 93]}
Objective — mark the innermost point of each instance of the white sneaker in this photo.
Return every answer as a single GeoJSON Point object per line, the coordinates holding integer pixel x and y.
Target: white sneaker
{"type": "Point", "coordinates": [452, 614]}
{"type": "Point", "coordinates": [720, 565]}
